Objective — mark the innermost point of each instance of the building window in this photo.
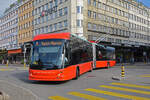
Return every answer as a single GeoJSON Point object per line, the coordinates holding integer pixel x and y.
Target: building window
{"type": "Point", "coordinates": [42, 29]}
{"type": "Point", "coordinates": [94, 3]}
{"type": "Point", "coordinates": [39, 31]}
{"type": "Point", "coordinates": [65, 11]}
{"type": "Point", "coordinates": [55, 14]}
{"type": "Point", "coordinates": [43, 8]}
{"type": "Point", "coordinates": [47, 18]}
{"type": "Point", "coordinates": [55, 26]}
{"type": "Point", "coordinates": [56, 2]}
{"type": "Point", "coordinates": [94, 15]}
{"type": "Point", "coordinates": [51, 4]}
{"type": "Point", "coordinates": [65, 23]}
{"type": "Point", "coordinates": [99, 5]}
{"type": "Point", "coordinates": [89, 25]}
{"type": "Point", "coordinates": [60, 12]}
{"type": "Point", "coordinates": [39, 21]}
{"type": "Point", "coordinates": [50, 28]}
{"type": "Point", "coordinates": [89, 2]}
{"type": "Point", "coordinates": [46, 6]}
{"type": "Point", "coordinates": [78, 9]}
{"type": "Point", "coordinates": [43, 19]}
{"type": "Point", "coordinates": [60, 24]}
{"type": "Point", "coordinates": [60, 2]}
{"type": "Point", "coordinates": [78, 23]}
{"type": "Point", "coordinates": [51, 16]}
{"type": "Point", "coordinates": [46, 29]}
{"type": "Point", "coordinates": [94, 26]}
{"type": "Point", "coordinates": [89, 13]}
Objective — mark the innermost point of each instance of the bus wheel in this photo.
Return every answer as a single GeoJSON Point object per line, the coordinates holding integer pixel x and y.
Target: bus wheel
{"type": "Point", "coordinates": [108, 65]}
{"type": "Point", "coordinates": [77, 73]}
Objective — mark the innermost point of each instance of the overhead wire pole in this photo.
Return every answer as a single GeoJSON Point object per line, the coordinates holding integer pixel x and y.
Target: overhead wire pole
{"type": "Point", "coordinates": [24, 55]}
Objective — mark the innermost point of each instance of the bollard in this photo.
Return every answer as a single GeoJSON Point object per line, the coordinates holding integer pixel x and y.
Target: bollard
{"type": "Point", "coordinates": [24, 65]}
{"type": "Point", "coordinates": [122, 71]}
{"type": "Point", "coordinates": [7, 63]}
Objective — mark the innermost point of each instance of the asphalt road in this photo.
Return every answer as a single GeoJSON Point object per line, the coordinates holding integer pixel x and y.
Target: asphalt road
{"type": "Point", "coordinates": [95, 85]}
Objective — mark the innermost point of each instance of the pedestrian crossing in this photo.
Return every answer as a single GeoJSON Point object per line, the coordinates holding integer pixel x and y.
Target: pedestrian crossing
{"type": "Point", "coordinates": [146, 75]}
{"type": "Point", "coordinates": [86, 96]}
{"type": "Point", "coordinates": [105, 92]}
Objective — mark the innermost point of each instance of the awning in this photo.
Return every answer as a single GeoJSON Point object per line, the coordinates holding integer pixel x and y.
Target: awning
{"type": "Point", "coordinates": [14, 51]}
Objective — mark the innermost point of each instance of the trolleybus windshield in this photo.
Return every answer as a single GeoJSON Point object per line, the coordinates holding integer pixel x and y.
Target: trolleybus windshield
{"type": "Point", "coordinates": [47, 54]}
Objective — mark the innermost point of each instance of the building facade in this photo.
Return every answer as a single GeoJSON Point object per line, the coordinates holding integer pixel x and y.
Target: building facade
{"type": "Point", "coordinates": [25, 21]}
{"type": "Point", "coordinates": [123, 24]}
{"type": "Point", "coordinates": [51, 16]}
{"type": "Point", "coordinates": [9, 33]}
{"type": "Point", "coordinates": [139, 28]}
{"type": "Point", "coordinates": [9, 28]}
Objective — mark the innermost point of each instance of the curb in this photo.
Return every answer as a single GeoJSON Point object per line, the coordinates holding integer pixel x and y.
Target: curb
{"type": "Point", "coordinates": [118, 78]}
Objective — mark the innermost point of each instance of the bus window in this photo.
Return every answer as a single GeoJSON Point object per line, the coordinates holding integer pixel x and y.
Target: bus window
{"type": "Point", "coordinates": [47, 54]}
{"type": "Point", "coordinates": [100, 53]}
{"type": "Point", "coordinates": [110, 53]}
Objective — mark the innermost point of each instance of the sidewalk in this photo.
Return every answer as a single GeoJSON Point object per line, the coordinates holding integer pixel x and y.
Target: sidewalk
{"type": "Point", "coordinates": [13, 65]}
{"type": "Point", "coordinates": [135, 64]}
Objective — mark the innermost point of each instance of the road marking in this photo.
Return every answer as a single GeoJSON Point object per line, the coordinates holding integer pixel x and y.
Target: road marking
{"type": "Point", "coordinates": [23, 68]}
{"type": "Point", "coordinates": [86, 96]}
{"type": "Point", "coordinates": [117, 94]}
{"type": "Point", "coordinates": [6, 69]}
{"type": "Point", "coordinates": [58, 98]}
{"type": "Point", "coordinates": [145, 75]}
{"type": "Point", "coordinates": [131, 85]}
{"type": "Point", "coordinates": [125, 89]}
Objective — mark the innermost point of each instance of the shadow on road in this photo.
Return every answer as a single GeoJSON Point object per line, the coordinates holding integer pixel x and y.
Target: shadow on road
{"type": "Point", "coordinates": [23, 76]}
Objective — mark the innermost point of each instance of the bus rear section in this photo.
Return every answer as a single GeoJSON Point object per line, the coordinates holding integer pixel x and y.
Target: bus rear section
{"type": "Point", "coordinates": [59, 57]}
{"type": "Point", "coordinates": [105, 56]}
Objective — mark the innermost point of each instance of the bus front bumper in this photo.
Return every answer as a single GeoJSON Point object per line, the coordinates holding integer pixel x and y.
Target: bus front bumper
{"type": "Point", "coordinates": [46, 75]}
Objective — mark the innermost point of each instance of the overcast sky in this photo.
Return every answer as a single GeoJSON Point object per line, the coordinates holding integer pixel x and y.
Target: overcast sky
{"type": "Point", "coordinates": [5, 4]}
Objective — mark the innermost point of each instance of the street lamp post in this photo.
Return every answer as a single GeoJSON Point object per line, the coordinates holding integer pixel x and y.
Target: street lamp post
{"type": "Point", "coordinates": [24, 55]}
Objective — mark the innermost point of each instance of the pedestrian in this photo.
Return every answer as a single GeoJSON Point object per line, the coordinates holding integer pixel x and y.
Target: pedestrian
{"type": "Point", "coordinates": [121, 60]}
{"type": "Point", "coordinates": [3, 61]}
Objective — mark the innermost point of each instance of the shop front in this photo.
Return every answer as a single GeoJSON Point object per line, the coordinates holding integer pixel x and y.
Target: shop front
{"type": "Point", "coordinates": [15, 56]}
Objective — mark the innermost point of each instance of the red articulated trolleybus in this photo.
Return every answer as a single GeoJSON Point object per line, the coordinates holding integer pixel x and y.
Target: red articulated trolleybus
{"type": "Point", "coordinates": [61, 57]}
{"type": "Point", "coordinates": [103, 56]}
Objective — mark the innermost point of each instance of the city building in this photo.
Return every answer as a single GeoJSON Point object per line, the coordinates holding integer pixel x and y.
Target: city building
{"type": "Point", "coordinates": [109, 19]}
{"type": "Point", "coordinates": [25, 26]}
{"type": "Point", "coordinates": [9, 31]}
{"type": "Point", "coordinates": [123, 24]}
{"type": "Point", "coordinates": [25, 21]}
{"type": "Point", "coordinates": [51, 16]}
{"type": "Point", "coordinates": [139, 28]}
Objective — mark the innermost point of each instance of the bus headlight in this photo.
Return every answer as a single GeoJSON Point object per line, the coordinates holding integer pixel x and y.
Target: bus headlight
{"type": "Point", "coordinates": [60, 75]}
